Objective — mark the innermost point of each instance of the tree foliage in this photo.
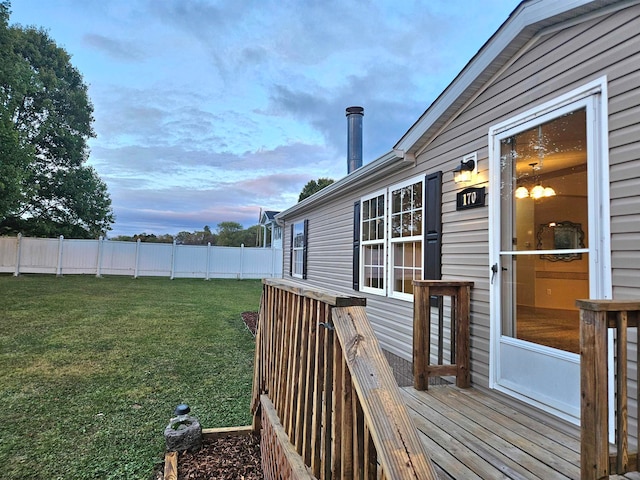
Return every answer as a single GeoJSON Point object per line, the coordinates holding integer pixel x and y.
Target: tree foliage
{"type": "Point", "coordinates": [228, 234]}
{"type": "Point", "coordinates": [45, 122]}
{"type": "Point", "coordinates": [314, 186]}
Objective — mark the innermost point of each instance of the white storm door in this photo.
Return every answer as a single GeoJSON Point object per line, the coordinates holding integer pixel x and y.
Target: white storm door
{"type": "Point", "coordinates": [547, 192]}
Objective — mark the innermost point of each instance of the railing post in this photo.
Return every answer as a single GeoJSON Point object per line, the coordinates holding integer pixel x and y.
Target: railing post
{"type": "Point", "coordinates": [463, 303]}
{"type": "Point", "coordinates": [423, 291]}
{"type": "Point", "coordinates": [421, 336]}
{"type": "Point", "coordinates": [594, 429]}
{"type": "Point", "coordinates": [596, 318]}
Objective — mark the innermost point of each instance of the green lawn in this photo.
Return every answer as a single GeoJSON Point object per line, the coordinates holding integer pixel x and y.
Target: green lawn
{"type": "Point", "coordinates": [92, 368]}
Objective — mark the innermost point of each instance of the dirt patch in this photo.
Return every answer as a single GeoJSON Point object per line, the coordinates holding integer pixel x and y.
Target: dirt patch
{"type": "Point", "coordinates": [250, 319]}
{"type": "Point", "coordinates": [225, 458]}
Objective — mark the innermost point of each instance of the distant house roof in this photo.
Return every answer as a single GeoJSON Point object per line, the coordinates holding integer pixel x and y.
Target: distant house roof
{"type": "Point", "coordinates": [268, 216]}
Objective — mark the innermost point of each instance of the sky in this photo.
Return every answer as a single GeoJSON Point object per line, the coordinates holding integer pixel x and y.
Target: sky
{"type": "Point", "coordinates": [210, 111]}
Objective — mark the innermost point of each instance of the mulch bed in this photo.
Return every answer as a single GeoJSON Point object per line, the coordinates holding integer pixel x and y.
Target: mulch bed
{"type": "Point", "coordinates": [250, 319]}
{"type": "Point", "coordinates": [228, 457]}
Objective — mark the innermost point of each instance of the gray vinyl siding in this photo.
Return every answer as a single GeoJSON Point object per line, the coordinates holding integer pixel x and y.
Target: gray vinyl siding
{"type": "Point", "coordinates": [556, 62]}
{"type": "Point", "coordinates": [330, 263]}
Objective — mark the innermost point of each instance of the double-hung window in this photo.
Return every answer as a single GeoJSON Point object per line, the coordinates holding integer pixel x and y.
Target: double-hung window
{"type": "Point", "coordinates": [391, 239]}
{"type": "Point", "coordinates": [405, 237]}
{"type": "Point", "coordinates": [373, 243]}
{"type": "Point", "coordinates": [298, 249]}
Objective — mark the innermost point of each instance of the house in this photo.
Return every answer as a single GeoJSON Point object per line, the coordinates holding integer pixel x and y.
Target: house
{"type": "Point", "coordinates": [542, 131]}
{"type": "Point", "coordinates": [271, 231]}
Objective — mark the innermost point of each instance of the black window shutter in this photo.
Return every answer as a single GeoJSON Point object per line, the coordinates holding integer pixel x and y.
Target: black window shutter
{"type": "Point", "coordinates": [433, 227]}
{"type": "Point", "coordinates": [356, 246]}
{"type": "Point", "coordinates": [291, 253]}
{"type": "Point", "coordinates": [304, 249]}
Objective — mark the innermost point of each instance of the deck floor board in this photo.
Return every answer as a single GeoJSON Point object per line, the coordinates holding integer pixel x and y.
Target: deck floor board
{"type": "Point", "coordinates": [470, 434]}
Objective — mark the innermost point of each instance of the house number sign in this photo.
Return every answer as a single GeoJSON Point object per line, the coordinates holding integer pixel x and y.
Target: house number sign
{"type": "Point", "coordinates": [470, 198]}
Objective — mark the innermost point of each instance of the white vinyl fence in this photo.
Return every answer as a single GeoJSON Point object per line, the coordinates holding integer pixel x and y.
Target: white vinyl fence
{"type": "Point", "coordinates": [62, 256]}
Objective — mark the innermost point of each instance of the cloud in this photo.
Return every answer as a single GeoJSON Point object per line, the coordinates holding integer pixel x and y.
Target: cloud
{"type": "Point", "coordinates": [116, 49]}
{"type": "Point", "coordinates": [208, 111]}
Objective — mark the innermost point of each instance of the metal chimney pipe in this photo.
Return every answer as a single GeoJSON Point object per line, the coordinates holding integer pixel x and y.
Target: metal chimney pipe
{"type": "Point", "coordinates": [354, 138]}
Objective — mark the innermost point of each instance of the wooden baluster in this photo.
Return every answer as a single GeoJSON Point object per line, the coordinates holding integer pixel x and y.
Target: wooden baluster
{"type": "Point", "coordinates": [622, 430]}
{"type": "Point", "coordinates": [310, 386]}
{"type": "Point", "coordinates": [316, 430]}
{"type": "Point", "coordinates": [358, 439]}
{"type": "Point", "coordinates": [338, 409]}
{"type": "Point", "coordinates": [327, 404]}
{"type": "Point", "coordinates": [348, 424]}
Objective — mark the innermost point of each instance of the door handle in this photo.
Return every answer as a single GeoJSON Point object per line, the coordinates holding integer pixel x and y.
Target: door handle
{"type": "Point", "coordinates": [494, 271]}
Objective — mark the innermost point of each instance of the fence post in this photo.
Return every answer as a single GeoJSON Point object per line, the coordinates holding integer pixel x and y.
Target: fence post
{"type": "Point", "coordinates": [173, 260]}
{"type": "Point", "coordinates": [99, 259]}
{"type": "Point", "coordinates": [59, 268]}
{"type": "Point", "coordinates": [135, 273]}
{"type": "Point", "coordinates": [18, 252]}
{"type": "Point", "coordinates": [241, 259]}
{"type": "Point", "coordinates": [206, 275]}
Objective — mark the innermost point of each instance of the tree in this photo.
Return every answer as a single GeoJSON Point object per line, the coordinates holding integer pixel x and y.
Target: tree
{"type": "Point", "coordinates": [229, 233]}
{"type": "Point", "coordinates": [45, 122]}
{"type": "Point", "coordinates": [312, 187]}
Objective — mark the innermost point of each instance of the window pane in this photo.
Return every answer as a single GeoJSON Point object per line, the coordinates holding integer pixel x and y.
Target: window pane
{"type": "Point", "coordinates": [406, 198]}
{"type": "Point", "coordinates": [408, 254]}
{"type": "Point", "coordinates": [397, 280]}
{"type": "Point", "coordinates": [551, 159]}
{"type": "Point", "coordinates": [397, 254]}
{"type": "Point", "coordinates": [372, 230]}
{"type": "Point", "coordinates": [417, 222]}
{"type": "Point", "coordinates": [396, 201]}
{"type": "Point", "coordinates": [407, 226]}
{"type": "Point", "coordinates": [417, 191]}
{"type": "Point", "coordinates": [365, 230]}
{"type": "Point", "coordinates": [395, 226]}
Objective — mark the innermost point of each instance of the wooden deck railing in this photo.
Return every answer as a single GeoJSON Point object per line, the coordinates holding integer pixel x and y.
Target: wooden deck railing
{"type": "Point", "coordinates": [596, 318]}
{"type": "Point", "coordinates": [425, 291]}
{"type": "Point", "coordinates": [324, 397]}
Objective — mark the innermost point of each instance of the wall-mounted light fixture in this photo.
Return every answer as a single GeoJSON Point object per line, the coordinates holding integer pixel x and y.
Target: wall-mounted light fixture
{"type": "Point", "coordinates": [463, 172]}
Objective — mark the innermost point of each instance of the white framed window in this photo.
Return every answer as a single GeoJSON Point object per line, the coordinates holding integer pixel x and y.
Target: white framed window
{"type": "Point", "coordinates": [373, 247]}
{"type": "Point", "coordinates": [391, 239]}
{"type": "Point", "coordinates": [405, 237]}
{"type": "Point", "coordinates": [298, 250]}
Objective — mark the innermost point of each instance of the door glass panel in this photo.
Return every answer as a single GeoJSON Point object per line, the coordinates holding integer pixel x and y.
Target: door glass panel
{"type": "Point", "coordinates": [544, 229]}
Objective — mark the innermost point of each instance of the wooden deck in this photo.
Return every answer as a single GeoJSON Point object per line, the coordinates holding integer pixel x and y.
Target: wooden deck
{"type": "Point", "coordinates": [471, 435]}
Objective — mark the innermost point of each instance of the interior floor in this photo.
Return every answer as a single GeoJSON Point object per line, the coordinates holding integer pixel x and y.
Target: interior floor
{"type": "Point", "coordinates": [551, 327]}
